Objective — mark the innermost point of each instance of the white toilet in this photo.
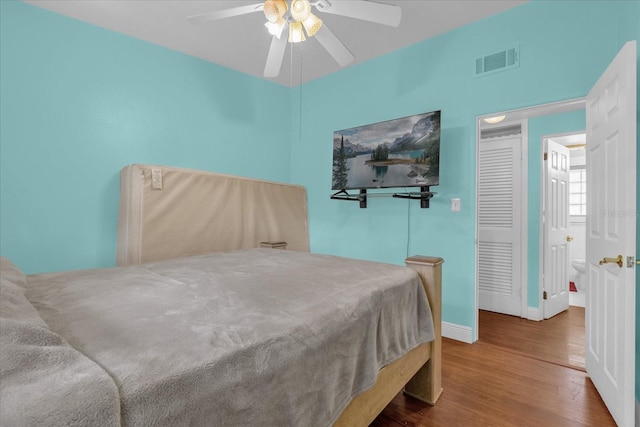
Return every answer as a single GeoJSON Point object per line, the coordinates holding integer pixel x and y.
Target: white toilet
{"type": "Point", "coordinates": [580, 266]}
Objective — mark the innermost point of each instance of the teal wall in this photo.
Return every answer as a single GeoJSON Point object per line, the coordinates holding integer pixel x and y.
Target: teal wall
{"type": "Point", "coordinates": [79, 102]}
{"type": "Point", "coordinates": [561, 61]}
{"type": "Point", "coordinates": [540, 127]}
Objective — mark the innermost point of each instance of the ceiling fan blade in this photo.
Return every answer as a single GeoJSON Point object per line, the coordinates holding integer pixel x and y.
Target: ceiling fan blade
{"type": "Point", "coordinates": [334, 46]}
{"type": "Point", "coordinates": [275, 56]}
{"type": "Point", "coordinates": [225, 13]}
{"type": "Point", "coordinates": [380, 13]}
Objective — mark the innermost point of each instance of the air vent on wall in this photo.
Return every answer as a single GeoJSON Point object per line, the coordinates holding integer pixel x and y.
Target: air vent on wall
{"type": "Point", "coordinates": [497, 61]}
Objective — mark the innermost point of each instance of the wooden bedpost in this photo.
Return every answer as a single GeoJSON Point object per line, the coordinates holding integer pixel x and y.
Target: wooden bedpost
{"type": "Point", "coordinates": [426, 384]}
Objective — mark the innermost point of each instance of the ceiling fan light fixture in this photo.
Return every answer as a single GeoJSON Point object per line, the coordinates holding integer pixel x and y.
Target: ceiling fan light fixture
{"type": "Point", "coordinates": [274, 10]}
{"type": "Point", "coordinates": [276, 28]}
{"type": "Point", "coordinates": [271, 11]}
{"type": "Point", "coordinates": [312, 24]}
{"type": "Point", "coordinates": [494, 120]}
{"type": "Point", "coordinates": [282, 7]}
{"type": "Point", "coordinates": [300, 10]}
{"type": "Point", "coordinates": [296, 35]}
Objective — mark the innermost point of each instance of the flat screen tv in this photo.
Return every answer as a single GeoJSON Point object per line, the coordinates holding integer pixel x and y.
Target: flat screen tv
{"type": "Point", "coordinates": [402, 152]}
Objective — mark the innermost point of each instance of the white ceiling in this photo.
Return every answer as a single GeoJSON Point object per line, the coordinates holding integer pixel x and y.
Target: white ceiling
{"type": "Point", "coordinates": [241, 43]}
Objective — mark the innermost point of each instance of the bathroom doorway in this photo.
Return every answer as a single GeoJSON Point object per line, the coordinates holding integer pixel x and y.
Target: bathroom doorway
{"type": "Point", "coordinates": [534, 124]}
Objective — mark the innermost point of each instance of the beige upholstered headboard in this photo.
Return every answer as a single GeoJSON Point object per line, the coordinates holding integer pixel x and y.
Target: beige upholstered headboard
{"type": "Point", "coordinates": [168, 212]}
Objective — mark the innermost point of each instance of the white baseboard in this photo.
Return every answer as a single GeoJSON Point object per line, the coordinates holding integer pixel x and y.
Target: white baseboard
{"type": "Point", "coordinates": [457, 332]}
{"type": "Point", "coordinates": [534, 313]}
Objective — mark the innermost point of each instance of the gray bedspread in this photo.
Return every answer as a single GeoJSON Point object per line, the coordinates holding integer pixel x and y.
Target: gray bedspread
{"type": "Point", "coordinates": [248, 338]}
{"type": "Point", "coordinates": [43, 380]}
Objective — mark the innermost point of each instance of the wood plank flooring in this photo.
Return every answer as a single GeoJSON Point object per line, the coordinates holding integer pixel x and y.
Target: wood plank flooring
{"type": "Point", "coordinates": [489, 385]}
{"type": "Point", "coordinates": [558, 340]}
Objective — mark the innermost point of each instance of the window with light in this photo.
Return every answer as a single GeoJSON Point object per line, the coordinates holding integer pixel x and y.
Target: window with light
{"type": "Point", "coordinates": [578, 191]}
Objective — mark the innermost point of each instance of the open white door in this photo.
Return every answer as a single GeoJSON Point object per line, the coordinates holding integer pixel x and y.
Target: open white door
{"type": "Point", "coordinates": [556, 229]}
{"type": "Point", "coordinates": [611, 235]}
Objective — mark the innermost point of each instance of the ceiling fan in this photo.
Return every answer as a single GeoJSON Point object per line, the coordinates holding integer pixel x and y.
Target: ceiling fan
{"type": "Point", "coordinates": [297, 14]}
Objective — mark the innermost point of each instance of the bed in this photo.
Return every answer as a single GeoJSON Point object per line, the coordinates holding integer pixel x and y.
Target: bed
{"type": "Point", "coordinates": [231, 336]}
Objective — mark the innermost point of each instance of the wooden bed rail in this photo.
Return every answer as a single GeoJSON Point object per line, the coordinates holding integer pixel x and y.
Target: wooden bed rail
{"type": "Point", "coordinates": [419, 372]}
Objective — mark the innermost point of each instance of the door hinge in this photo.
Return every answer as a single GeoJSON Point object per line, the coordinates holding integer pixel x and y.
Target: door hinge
{"type": "Point", "coordinates": [545, 156]}
{"type": "Point", "coordinates": [544, 294]}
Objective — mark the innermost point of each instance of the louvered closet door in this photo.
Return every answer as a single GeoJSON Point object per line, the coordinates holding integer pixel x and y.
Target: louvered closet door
{"type": "Point", "coordinates": [499, 204]}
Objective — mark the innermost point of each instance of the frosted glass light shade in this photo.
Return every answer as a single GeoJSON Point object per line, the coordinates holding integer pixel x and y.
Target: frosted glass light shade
{"type": "Point", "coordinates": [312, 24]}
{"type": "Point", "coordinates": [276, 28]}
{"type": "Point", "coordinates": [296, 35]}
{"type": "Point", "coordinates": [274, 10]}
{"type": "Point", "coordinates": [493, 120]}
{"type": "Point", "coordinates": [271, 11]}
{"type": "Point", "coordinates": [300, 10]}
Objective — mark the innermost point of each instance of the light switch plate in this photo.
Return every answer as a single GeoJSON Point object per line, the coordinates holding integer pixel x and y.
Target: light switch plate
{"type": "Point", "coordinates": [455, 205]}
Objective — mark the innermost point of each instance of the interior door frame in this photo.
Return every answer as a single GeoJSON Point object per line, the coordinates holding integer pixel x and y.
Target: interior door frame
{"type": "Point", "coordinates": [524, 114]}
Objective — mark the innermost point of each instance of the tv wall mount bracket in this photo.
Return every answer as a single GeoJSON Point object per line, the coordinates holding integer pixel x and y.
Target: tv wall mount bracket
{"type": "Point", "coordinates": [424, 195]}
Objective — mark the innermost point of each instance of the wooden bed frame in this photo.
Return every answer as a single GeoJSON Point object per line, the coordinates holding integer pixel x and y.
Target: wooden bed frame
{"type": "Point", "coordinates": [419, 371]}
{"type": "Point", "coordinates": [168, 212]}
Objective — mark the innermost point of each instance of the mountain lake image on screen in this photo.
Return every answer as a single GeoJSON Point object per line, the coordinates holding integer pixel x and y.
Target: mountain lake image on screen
{"type": "Point", "coordinates": [402, 152]}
